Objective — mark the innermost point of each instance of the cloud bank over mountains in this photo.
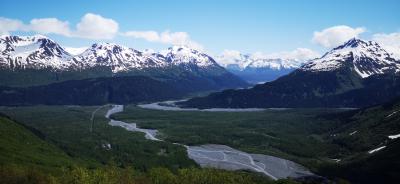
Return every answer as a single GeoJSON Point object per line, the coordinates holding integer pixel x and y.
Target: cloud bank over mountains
{"type": "Point", "coordinates": [336, 35]}
{"type": "Point", "coordinates": [96, 27]}
{"type": "Point", "coordinates": [234, 57]}
{"type": "Point", "coordinates": [167, 37]}
{"type": "Point", "coordinates": [91, 26]}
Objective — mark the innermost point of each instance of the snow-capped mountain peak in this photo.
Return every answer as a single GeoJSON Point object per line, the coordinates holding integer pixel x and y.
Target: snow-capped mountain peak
{"type": "Point", "coordinates": [364, 57]}
{"type": "Point", "coordinates": [39, 52]}
{"type": "Point", "coordinates": [12, 43]}
{"type": "Point", "coordinates": [355, 42]}
{"type": "Point", "coordinates": [178, 55]}
{"type": "Point", "coordinates": [36, 51]}
{"type": "Point", "coordinates": [107, 46]}
{"type": "Point", "coordinates": [104, 49]}
{"type": "Point", "coordinates": [118, 57]}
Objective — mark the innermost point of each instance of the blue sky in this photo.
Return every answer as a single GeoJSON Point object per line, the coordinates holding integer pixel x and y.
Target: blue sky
{"type": "Point", "coordinates": [245, 26]}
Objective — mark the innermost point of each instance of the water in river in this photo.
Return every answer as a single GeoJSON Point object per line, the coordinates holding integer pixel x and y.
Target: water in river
{"type": "Point", "coordinates": [224, 157]}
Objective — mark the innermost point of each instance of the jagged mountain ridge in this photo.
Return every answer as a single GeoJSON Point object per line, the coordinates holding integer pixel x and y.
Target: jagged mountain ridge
{"type": "Point", "coordinates": [42, 52]}
{"type": "Point", "coordinates": [38, 60]}
{"type": "Point", "coordinates": [118, 57]}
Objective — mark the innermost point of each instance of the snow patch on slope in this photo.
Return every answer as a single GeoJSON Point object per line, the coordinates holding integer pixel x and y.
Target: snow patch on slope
{"type": "Point", "coordinates": [394, 136]}
{"type": "Point", "coordinates": [75, 50]}
{"type": "Point", "coordinates": [376, 150]}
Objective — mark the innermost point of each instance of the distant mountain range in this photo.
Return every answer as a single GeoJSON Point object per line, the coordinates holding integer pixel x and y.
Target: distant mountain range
{"type": "Point", "coordinates": [259, 69]}
{"type": "Point", "coordinates": [40, 52]}
{"type": "Point", "coordinates": [38, 60]}
{"type": "Point", "coordinates": [356, 74]}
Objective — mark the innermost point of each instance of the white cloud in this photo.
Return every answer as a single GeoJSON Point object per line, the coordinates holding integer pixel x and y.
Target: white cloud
{"type": "Point", "coordinates": [166, 37]}
{"type": "Point", "coordinates": [390, 42]}
{"type": "Point", "coordinates": [336, 35]}
{"type": "Point", "coordinates": [230, 57]}
{"type": "Point", "coordinates": [151, 36]}
{"type": "Point", "coordinates": [94, 26]}
{"type": "Point", "coordinates": [176, 38]}
{"type": "Point", "coordinates": [91, 26]}
{"type": "Point", "coordinates": [8, 25]}
{"type": "Point", "coordinates": [302, 54]}
{"type": "Point", "coordinates": [50, 25]}
{"type": "Point", "coordinates": [231, 54]}
{"type": "Point", "coordinates": [259, 55]}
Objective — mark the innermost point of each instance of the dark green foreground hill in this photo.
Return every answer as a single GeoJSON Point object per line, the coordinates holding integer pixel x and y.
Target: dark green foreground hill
{"type": "Point", "coordinates": [27, 158]}
{"type": "Point", "coordinates": [61, 148]}
{"type": "Point", "coordinates": [361, 131]}
{"type": "Point", "coordinates": [19, 145]}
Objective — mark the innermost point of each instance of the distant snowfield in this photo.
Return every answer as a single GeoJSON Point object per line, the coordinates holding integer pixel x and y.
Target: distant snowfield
{"type": "Point", "coordinates": [224, 157]}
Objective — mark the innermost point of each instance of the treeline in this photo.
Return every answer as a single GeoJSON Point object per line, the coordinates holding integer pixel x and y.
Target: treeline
{"type": "Point", "coordinates": [115, 175]}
